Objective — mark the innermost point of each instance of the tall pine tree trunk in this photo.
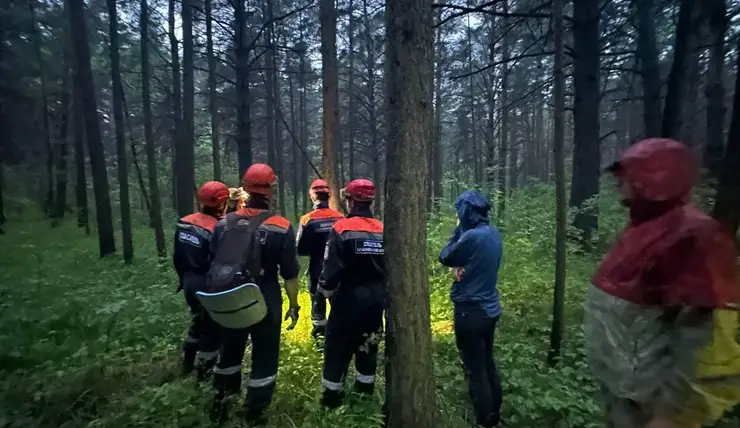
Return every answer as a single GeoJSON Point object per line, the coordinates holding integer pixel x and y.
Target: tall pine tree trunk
{"type": "Point", "coordinates": [672, 111]}
{"type": "Point", "coordinates": [294, 152]}
{"type": "Point", "coordinates": [151, 160]}
{"type": "Point", "coordinates": [436, 166]}
{"type": "Point", "coordinates": [185, 153]}
{"type": "Point", "coordinates": [243, 123]}
{"type": "Point", "coordinates": [60, 203]}
{"type": "Point", "coordinates": [80, 173]}
{"type": "Point", "coordinates": [177, 125]}
{"type": "Point", "coordinates": [410, 385]}
{"type": "Point", "coordinates": [503, 150]}
{"type": "Point", "coordinates": [715, 92]}
{"type": "Point", "coordinates": [49, 200]}
{"type": "Point", "coordinates": [647, 52]}
{"type": "Point", "coordinates": [727, 205]}
{"type": "Point", "coordinates": [303, 112]}
{"type": "Point", "coordinates": [269, 64]}
{"type": "Point", "coordinates": [117, 89]}
{"type": "Point", "coordinates": [561, 213]}
{"type": "Point", "coordinates": [587, 140]}
{"type": "Point", "coordinates": [84, 83]}
{"type": "Point", "coordinates": [330, 79]}
{"type": "Point", "coordinates": [213, 95]}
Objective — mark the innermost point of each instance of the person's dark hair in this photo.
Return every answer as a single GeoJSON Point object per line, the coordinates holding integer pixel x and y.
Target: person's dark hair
{"type": "Point", "coordinates": [211, 211]}
{"type": "Point", "coordinates": [258, 201]}
{"type": "Point", "coordinates": [322, 197]}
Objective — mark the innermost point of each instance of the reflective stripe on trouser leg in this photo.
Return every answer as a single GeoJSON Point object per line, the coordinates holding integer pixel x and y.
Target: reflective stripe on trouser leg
{"type": "Point", "coordinates": [265, 337]}
{"type": "Point", "coordinates": [338, 347]}
{"type": "Point", "coordinates": [227, 373]}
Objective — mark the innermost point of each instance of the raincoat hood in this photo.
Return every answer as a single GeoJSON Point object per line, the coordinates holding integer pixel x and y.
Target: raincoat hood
{"type": "Point", "coordinates": [658, 170]}
{"type": "Point", "coordinates": [472, 209]}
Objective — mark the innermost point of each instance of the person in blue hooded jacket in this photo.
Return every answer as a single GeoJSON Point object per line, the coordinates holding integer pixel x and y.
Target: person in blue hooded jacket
{"type": "Point", "coordinates": [475, 251]}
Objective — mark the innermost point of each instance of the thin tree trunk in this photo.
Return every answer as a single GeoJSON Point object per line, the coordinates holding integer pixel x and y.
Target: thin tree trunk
{"type": "Point", "coordinates": [330, 90]}
{"type": "Point", "coordinates": [243, 122]}
{"type": "Point", "coordinates": [558, 306]}
{"type": "Point", "coordinates": [117, 89]}
{"type": "Point", "coordinates": [151, 160]}
{"type": "Point", "coordinates": [586, 142]}
{"type": "Point", "coordinates": [303, 112]}
{"type": "Point", "coordinates": [177, 125]}
{"type": "Point", "coordinates": [503, 150]}
{"type": "Point", "coordinates": [647, 52]}
{"type": "Point", "coordinates": [84, 83]}
{"type": "Point", "coordinates": [676, 78]}
{"type": "Point", "coordinates": [727, 205]}
{"type": "Point", "coordinates": [491, 119]}
{"type": "Point", "coordinates": [213, 95]}
{"type": "Point", "coordinates": [410, 384]}
{"type": "Point", "coordinates": [60, 204]}
{"type": "Point", "coordinates": [49, 200]}
{"type": "Point", "coordinates": [437, 153]}
{"type": "Point", "coordinates": [185, 153]}
{"type": "Point", "coordinates": [269, 67]}
{"type": "Point", "coordinates": [80, 173]}
{"type": "Point", "coordinates": [295, 146]}
{"type": "Point", "coordinates": [351, 90]}
{"type": "Point", "coordinates": [715, 92]}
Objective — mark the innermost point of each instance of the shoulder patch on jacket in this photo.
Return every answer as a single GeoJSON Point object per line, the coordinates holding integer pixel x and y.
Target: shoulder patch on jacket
{"type": "Point", "coordinates": [358, 224]}
{"type": "Point", "coordinates": [201, 220]}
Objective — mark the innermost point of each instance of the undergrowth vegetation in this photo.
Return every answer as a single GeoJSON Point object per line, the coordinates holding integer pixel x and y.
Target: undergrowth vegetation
{"type": "Point", "coordinates": [92, 343]}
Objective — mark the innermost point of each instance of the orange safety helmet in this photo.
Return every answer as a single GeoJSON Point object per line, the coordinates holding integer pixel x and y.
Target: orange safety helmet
{"type": "Point", "coordinates": [319, 186]}
{"type": "Point", "coordinates": [213, 194]}
{"type": "Point", "coordinates": [360, 190]}
{"type": "Point", "coordinates": [259, 178]}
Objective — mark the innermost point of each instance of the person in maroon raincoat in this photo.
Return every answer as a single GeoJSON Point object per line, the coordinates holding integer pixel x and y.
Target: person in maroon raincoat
{"type": "Point", "coordinates": [661, 320]}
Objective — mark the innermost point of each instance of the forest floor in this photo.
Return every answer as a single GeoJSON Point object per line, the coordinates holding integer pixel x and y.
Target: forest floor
{"type": "Point", "coordinates": [93, 343]}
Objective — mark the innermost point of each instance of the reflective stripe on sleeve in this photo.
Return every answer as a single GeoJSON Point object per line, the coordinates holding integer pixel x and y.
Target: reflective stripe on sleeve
{"type": "Point", "coordinates": [319, 323]}
{"type": "Point", "coordinates": [367, 379]}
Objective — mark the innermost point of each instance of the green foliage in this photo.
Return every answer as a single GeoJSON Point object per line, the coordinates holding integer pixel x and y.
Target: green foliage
{"type": "Point", "coordinates": [92, 343]}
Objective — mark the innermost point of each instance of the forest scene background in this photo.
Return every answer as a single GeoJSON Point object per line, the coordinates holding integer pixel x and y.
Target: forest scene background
{"type": "Point", "coordinates": [113, 112]}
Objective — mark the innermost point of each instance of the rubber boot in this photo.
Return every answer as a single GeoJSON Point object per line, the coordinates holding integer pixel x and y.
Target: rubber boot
{"type": "Point", "coordinates": [188, 359]}
{"type": "Point", "coordinates": [205, 370]}
{"type": "Point", "coordinates": [255, 417]}
{"type": "Point", "coordinates": [364, 388]}
{"type": "Point", "coordinates": [332, 399]}
{"type": "Point", "coordinates": [219, 410]}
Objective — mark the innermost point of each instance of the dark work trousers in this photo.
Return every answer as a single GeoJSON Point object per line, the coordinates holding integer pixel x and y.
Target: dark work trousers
{"type": "Point", "coordinates": [318, 310]}
{"type": "Point", "coordinates": [474, 335]}
{"type": "Point", "coordinates": [355, 323]}
{"type": "Point", "coordinates": [227, 376]}
{"type": "Point", "coordinates": [200, 349]}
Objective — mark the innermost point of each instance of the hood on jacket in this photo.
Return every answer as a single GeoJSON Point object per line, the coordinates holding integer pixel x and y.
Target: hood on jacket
{"type": "Point", "coordinates": [472, 209]}
{"type": "Point", "coordinates": [658, 170]}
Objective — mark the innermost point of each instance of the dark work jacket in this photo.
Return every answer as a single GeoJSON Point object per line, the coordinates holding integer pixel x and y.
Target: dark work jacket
{"type": "Point", "coordinates": [313, 232]}
{"type": "Point", "coordinates": [278, 253]}
{"type": "Point", "coordinates": [191, 254]}
{"type": "Point", "coordinates": [354, 262]}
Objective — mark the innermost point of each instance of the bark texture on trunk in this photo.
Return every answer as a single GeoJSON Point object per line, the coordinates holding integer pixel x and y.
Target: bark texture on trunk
{"type": "Point", "coordinates": [587, 139]}
{"type": "Point", "coordinates": [410, 385]}
{"type": "Point", "coordinates": [185, 153]}
{"type": "Point", "coordinates": [117, 88]}
{"type": "Point", "coordinates": [330, 91]}
{"type": "Point", "coordinates": [151, 160]}
{"type": "Point", "coordinates": [84, 83]}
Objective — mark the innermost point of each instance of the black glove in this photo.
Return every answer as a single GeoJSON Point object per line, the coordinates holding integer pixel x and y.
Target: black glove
{"type": "Point", "coordinates": [293, 314]}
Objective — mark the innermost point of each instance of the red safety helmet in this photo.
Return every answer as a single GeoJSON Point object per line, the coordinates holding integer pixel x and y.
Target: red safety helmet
{"type": "Point", "coordinates": [259, 179]}
{"type": "Point", "coordinates": [360, 190]}
{"type": "Point", "coordinates": [319, 186]}
{"type": "Point", "coordinates": [213, 194]}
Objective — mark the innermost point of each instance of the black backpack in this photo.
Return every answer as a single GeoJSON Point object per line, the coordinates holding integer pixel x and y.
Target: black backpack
{"type": "Point", "coordinates": [238, 259]}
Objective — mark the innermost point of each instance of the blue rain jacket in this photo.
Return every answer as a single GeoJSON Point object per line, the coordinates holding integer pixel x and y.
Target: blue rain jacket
{"type": "Point", "coordinates": [476, 247]}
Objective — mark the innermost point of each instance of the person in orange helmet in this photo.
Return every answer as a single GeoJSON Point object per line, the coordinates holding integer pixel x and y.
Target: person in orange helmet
{"type": "Point", "coordinates": [191, 257]}
{"type": "Point", "coordinates": [354, 279]}
{"type": "Point", "coordinates": [275, 255]}
{"type": "Point", "coordinates": [311, 241]}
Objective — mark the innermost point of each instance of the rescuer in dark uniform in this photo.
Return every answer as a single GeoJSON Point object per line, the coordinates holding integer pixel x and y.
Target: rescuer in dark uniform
{"type": "Point", "coordinates": [278, 256]}
{"type": "Point", "coordinates": [354, 279]}
{"type": "Point", "coordinates": [191, 257]}
{"type": "Point", "coordinates": [312, 235]}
